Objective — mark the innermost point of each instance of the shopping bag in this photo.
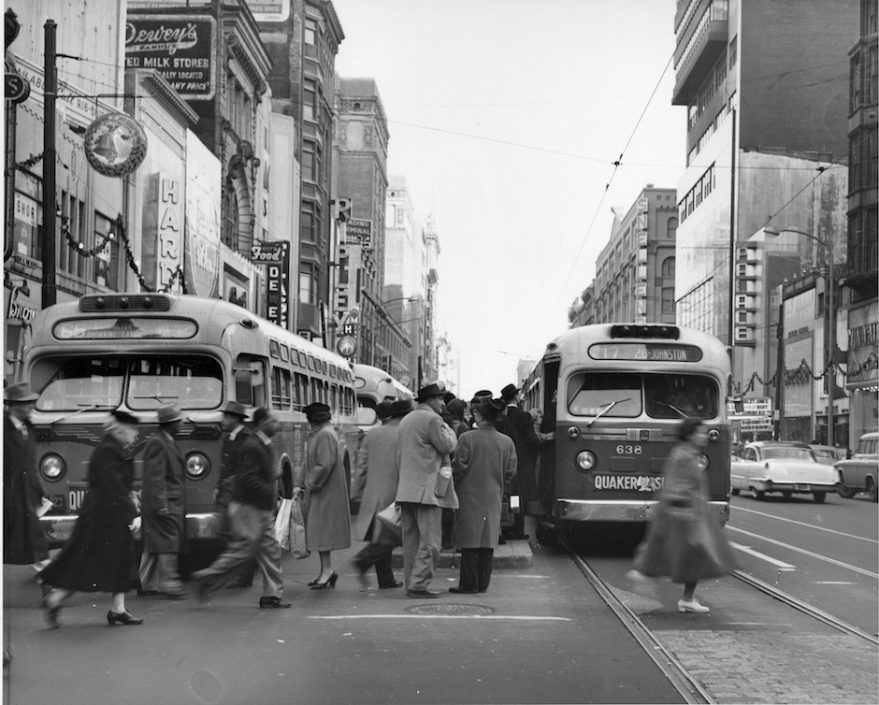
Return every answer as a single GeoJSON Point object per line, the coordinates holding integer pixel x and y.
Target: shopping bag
{"type": "Point", "coordinates": [282, 523]}
{"type": "Point", "coordinates": [297, 529]}
{"type": "Point", "coordinates": [390, 517]}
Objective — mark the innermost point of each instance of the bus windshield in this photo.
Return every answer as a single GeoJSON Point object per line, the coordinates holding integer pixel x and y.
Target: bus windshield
{"type": "Point", "coordinates": [660, 396]}
{"type": "Point", "coordinates": [152, 380]}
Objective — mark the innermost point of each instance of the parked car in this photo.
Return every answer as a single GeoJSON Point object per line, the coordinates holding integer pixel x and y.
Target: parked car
{"type": "Point", "coordinates": [778, 466]}
{"type": "Point", "coordinates": [829, 455]}
{"type": "Point", "coordinates": [861, 472]}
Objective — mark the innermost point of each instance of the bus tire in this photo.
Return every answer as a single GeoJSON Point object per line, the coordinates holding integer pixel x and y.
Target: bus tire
{"type": "Point", "coordinates": [546, 534]}
{"type": "Point", "coordinates": [819, 497]}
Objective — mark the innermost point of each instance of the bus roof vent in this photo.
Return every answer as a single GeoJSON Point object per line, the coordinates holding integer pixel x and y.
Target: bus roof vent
{"type": "Point", "coordinates": [640, 330]}
{"type": "Point", "coordinates": [93, 303]}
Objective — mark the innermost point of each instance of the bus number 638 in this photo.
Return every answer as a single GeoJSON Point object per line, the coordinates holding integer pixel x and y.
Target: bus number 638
{"type": "Point", "coordinates": [629, 450]}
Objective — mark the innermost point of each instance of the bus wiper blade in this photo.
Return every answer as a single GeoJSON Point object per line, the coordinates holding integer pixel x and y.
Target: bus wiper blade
{"type": "Point", "coordinates": [608, 405]}
{"type": "Point", "coordinates": [90, 407]}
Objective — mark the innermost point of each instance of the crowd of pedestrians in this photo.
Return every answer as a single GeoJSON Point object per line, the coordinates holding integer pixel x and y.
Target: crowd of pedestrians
{"type": "Point", "coordinates": [435, 466]}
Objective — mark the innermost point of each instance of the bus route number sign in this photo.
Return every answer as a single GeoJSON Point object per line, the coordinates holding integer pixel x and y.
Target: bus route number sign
{"type": "Point", "coordinates": [645, 352]}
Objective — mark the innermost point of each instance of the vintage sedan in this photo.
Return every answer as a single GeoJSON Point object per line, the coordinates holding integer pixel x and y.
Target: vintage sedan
{"type": "Point", "coordinates": [860, 473]}
{"type": "Point", "coordinates": [778, 466]}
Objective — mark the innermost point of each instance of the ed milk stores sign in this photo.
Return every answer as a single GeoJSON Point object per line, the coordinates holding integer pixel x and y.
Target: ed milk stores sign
{"type": "Point", "coordinates": [179, 47]}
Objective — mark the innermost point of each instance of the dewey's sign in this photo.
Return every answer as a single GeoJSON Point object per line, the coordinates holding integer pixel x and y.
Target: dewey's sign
{"type": "Point", "coordinates": [179, 47]}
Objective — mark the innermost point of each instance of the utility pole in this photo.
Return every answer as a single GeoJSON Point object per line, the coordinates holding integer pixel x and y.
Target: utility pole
{"type": "Point", "coordinates": [50, 83]}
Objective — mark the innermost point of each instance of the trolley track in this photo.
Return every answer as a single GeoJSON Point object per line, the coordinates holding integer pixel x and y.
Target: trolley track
{"type": "Point", "coordinates": [691, 689]}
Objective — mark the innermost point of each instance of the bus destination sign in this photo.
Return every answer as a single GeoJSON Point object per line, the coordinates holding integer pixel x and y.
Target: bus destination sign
{"type": "Point", "coordinates": [645, 352]}
{"type": "Point", "coordinates": [103, 328]}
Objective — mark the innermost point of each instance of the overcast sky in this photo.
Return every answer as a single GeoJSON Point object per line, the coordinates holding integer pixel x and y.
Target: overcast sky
{"type": "Point", "coordinates": [505, 118]}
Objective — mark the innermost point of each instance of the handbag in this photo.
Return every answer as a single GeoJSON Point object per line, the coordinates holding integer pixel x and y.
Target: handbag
{"type": "Point", "coordinates": [298, 547]}
{"type": "Point", "coordinates": [390, 517]}
{"type": "Point", "coordinates": [282, 523]}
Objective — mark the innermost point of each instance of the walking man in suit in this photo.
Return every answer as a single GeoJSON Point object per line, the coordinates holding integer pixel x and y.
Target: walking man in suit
{"type": "Point", "coordinates": [251, 516]}
{"type": "Point", "coordinates": [425, 444]}
{"type": "Point", "coordinates": [163, 507]}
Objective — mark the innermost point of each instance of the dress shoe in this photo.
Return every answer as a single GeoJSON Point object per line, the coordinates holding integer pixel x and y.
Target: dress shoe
{"type": "Point", "coordinates": [388, 586]}
{"type": "Point", "coordinates": [692, 606]}
{"type": "Point", "coordinates": [426, 594]}
{"type": "Point", "coordinates": [124, 617]}
{"type": "Point", "coordinates": [462, 591]}
{"type": "Point", "coordinates": [324, 584]}
{"type": "Point", "coordinates": [273, 603]}
{"type": "Point", "coordinates": [51, 613]}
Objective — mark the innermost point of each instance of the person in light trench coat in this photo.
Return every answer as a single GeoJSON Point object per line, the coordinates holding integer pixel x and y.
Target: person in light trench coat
{"type": "Point", "coordinates": [325, 486]}
{"type": "Point", "coordinates": [485, 460]}
{"type": "Point", "coordinates": [375, 484]}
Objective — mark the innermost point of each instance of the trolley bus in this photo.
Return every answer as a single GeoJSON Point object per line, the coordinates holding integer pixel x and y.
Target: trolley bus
{"type": "Point", "coordinates": [138, 351]}
{"type": "Point", "coordinates": [614, 395]}
{"type": "Point", "coordinates": [372, 386]}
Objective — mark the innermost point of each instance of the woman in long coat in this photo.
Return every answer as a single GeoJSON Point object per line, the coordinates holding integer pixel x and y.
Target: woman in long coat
{"type": "Point", "coordinates": [327, 509]}
{"type": "Point", "coordinates": [484, 460]}
{"type": "Point", "coordinates": [684, 541]}
{"type": "Point", "coordinates": [100, 553]}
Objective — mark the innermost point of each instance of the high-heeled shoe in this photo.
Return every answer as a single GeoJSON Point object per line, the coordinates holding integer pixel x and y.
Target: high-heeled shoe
{"type": "Point", "coordinates": [124, 617]}
{"type": "Point", "coordinates": [329, 582]}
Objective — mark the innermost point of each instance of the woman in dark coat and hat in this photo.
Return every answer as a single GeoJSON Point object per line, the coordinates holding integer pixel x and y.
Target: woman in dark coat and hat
{"type": "Point", "coordinates": [484, 460]}
{"type": "Point", "coordinates": [100, 553]}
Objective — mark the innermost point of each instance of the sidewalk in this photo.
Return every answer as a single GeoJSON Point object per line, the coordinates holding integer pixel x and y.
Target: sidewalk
{"type": "Point", "coordinates": [513, 555]}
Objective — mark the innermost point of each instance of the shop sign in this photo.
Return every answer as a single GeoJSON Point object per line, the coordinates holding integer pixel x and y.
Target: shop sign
{"type": "Point", "coordinates": [170, 228]}
{"type": "Point", "coordinates": [863, 348]}
{"type": "Point", "coordinates": [179, 47]}
{"type": "Point", "coordinates": [115, 144]}
{"type": "Point", "coordinates": [202, 218]}
{"type": "Point", "coordinates": [278, 286]}
{"type": "Point", "coordinates": [358, 232]}
{"type": "Point", "coordinates": [269, 10]}
{"type": "Point", "coordinates": [19, 308]}
{"type": "Point", "coordinates": [268, 252]}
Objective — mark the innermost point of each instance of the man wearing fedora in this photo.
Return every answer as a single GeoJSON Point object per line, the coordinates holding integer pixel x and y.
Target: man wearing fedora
{"type": "Point", "coordinates": [235, 433]}
{"type": "Point", "coordinates": [375, 481]}
{"type": "Point", "coordinates": [163, 507]}
{"type": "Point", "coordinates": [23, 539]}
{"type": "Point", "coordinates": [425, 444]}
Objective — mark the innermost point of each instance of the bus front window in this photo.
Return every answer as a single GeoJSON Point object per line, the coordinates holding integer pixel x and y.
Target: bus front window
{"type": "Point", "coordinates": [192, 382]}
{"type": "Point", "coordinates": [679, 396]}
{"type": "Point", "coordinates": [604, 394]}
{"type": "Point", "coordinates": [83, 383]}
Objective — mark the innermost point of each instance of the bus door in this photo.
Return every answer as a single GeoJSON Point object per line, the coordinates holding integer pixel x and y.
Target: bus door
{"type": "Point", "coordinates": [546, 481]}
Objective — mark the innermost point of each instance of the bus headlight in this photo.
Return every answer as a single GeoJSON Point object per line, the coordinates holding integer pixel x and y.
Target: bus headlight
{"type": "Point", "coordinates": [197, 466]}
{"type": "Point", "coordinates": [586, 460]}
{"type": "Point", "coordinates": [52, 467]}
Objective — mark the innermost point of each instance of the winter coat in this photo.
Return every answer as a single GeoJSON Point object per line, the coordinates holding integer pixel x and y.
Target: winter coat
{"type": "Point", "coordinates": [425, 444]}
{"type": "Point", "coordinates": [256, 482]}
{"type": "Point", "coordinates": [327, 510]}
{"type": "Point", "coordinates": [23, 539]}
{"type": "Point", "coordinates": [484, 460]}
{"type": "Point", "coordinates": [230, 463]}
{"type": "Point", "coordinates": [518, 424]}
{"type": "Point", "coordinates": [375, 481]}
{"type": "Point", "coordinates": [99, 557]}
{"type": "Point", "coordinates": [684, 541]}
{"type": "Point", "coordinates": [164, 488]}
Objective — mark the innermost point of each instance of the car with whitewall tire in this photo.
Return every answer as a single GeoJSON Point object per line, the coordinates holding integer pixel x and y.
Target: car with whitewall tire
{"type": "Point", "coordinates": [860, 472]}
{"type": "Point", "coordinates": [782, 467]}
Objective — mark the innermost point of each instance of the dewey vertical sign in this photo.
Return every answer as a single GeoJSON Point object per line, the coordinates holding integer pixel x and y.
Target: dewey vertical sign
{"type": "Point", "coordinates": [275, 256]}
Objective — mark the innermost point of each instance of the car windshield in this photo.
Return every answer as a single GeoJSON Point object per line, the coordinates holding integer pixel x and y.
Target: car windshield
{"type": "Point", "coordinates": [788, 452]}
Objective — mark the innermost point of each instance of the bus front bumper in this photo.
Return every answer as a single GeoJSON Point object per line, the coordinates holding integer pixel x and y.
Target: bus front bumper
{"type": "Point", "coordinates": [58, 528]}
{"type": "Point", "coordinates": [583, 510]}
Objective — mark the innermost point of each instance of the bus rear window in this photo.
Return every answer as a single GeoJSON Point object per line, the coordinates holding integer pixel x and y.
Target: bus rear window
{"type": "Point", "coordinates": [192, 382]}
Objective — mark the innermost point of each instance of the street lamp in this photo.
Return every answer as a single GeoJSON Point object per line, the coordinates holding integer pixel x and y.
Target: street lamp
{"type": "Point", "coordinates": [830, 337]}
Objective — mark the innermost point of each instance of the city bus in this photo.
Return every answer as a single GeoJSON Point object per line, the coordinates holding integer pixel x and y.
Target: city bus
{"type": "Point", "coordinates": [137, 351]}
{"type": "Point", "coordinates": [372, 386]}
{"type": "Point", "coordinates": [614, 396]}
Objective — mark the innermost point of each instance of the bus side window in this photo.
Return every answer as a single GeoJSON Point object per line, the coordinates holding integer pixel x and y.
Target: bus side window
{"type": "Point", "coordinates": [280, 388]}
{"type": "Point", "coordinates": [300, 398]}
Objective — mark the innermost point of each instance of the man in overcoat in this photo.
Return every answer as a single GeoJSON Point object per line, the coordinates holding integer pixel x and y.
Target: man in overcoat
{"type": "Point", "coordinates": [163, 507]}
{"type": "Point", "coordinates": [375, 484]}
{"type": "Point", "coordinates": [23, 540]}
{"type": "Point", "coordinates": [425, 444]}
{"type": "Point", "coordinates": [251, 516]}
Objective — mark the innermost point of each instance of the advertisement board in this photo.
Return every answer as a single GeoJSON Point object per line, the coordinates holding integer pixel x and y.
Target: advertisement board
{"type": "Point", "coordinates": [202, 235]}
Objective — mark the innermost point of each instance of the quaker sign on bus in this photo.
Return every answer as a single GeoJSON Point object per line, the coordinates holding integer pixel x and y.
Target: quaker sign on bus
{"type": "Point", "coordinates": [180, 47]}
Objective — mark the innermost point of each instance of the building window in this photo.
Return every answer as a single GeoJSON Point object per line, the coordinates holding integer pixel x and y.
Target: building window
{"type": "Point", "coordinates": [106, 270]}
{"type": "Point", "coordinates": [309, 100]}
{"type": "Point", "coordinates": [230, 215]}
{"type": "Point", "coordinates": [668, 267]}
{"type": "Point", "coordinates": [668, 299]}
{"type": "Point", "coordinates": [307, 223]}
{"type": "Point", "coordinates": [733, 52]}
{"type": "Point", "coordinates": [306, 284]}
{"type": "Point", "coordinates": [311, 32]}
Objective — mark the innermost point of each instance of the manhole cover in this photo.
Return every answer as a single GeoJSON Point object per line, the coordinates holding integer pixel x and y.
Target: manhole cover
{"type": "Point", "coordinates": [455, 609]}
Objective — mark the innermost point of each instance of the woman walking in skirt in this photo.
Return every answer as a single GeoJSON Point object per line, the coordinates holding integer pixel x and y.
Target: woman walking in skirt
{"type": "Point", "coordinates": [100, 553]}
{"type": "Point", "coordinates": [684, 541]}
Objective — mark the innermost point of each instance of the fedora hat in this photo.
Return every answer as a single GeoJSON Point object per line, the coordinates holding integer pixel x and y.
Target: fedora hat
{"type": "Point", "coordinates": [125, 417]}
{"type": "Point", "coordinates": [434, 389]}
{"type": "Point", "coordinates": [490, 408]}
{"type": "Point", "coordinates": [383, 409]}
{"type": "Point", "coordinates": [509, 392]}
{"type": "Point", "coordinates": [235, 409]}
{"type": "Point", "coordinates": [19, 394]}
{"type": "Point", "coordinates": [400, 407]}
{"type": "Point", "coordinates": [315, 408]}
{"type": "Point", "coordinates": [169, 413]}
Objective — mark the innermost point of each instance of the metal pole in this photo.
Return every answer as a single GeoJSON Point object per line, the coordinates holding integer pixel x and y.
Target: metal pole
{"type": "Point", "coordinates": [779, 374]}
{"type": "Point", "coordinates": [831, 347]}
{"type": "Point", "coordinates": [49, 293]}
